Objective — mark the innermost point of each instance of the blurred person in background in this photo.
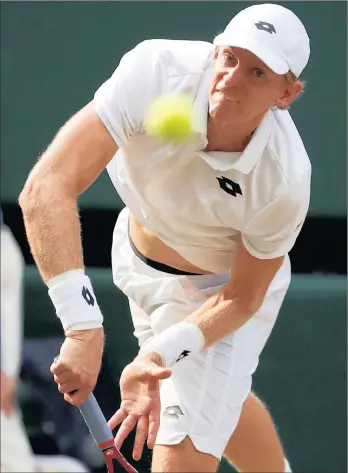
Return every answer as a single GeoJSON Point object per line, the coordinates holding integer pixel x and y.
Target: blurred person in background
{"type": "Point", "coordinates": [16, 452]}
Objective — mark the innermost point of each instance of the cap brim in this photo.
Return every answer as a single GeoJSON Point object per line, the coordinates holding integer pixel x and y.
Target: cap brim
{"type": "Point", "coordinates": [276, 63]}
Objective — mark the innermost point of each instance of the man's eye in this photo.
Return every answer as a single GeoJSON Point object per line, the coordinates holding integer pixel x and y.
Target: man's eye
{"type": "Point", "coordinates": [228, 57]}
{"type": "Point", "coordinates": [259, 72]}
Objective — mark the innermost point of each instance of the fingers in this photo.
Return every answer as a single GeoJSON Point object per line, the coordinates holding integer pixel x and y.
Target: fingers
{"type": "Point", "coordinates": [161, 373]}
{"type": "Point", "coordinates": [128, 422]}
{"type": "Point", "coordinates": [62, 378]}
{"type": "Point", "coordinates": [117, 418]}
{"type": "Point", "coordinates": [158, 372]}
{"type": "Point", "coordinates": [72, 383]}
{"type": "Point", "coordinates": [61, 372]}
{"type": "Point", "coordinates": [57, 367]}
{"type": "Point", "coordinates": [140, 437]}
{"type": "Point", "coordinates": [125, 429]}
{"type": "Point", "coordinates": [74, 392]}
{"type": "Point", "coordinates": [154, 424]}
{"type": "Point", "coordinates": [78, 397]}
{"type": "Point", "coordinates": [69, 387]}
{"type": "Point", "coordinates": [68, 384]}
{"type": "Point", "coordinates": [143, 371]}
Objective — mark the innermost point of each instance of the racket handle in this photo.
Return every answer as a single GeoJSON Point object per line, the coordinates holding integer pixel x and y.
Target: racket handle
{"type": "Point", "coordinates": [96, 421]}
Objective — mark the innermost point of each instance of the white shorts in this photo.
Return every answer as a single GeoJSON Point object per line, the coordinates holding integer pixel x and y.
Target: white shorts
{"type": "Point", "coordinates": [204, 396]}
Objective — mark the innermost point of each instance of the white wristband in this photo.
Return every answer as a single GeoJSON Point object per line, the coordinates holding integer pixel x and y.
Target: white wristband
{"type": "Point", "coordinates": [74, 300]}
{"type": "Point", "coordinates": [176, 342]}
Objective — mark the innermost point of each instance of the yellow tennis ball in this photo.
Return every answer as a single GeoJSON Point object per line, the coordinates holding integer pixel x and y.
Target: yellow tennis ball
{"type": "Point", "coordinates": [170, 117]}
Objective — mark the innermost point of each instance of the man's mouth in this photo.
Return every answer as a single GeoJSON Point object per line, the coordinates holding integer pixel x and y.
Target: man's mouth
{"type": "Point", "coordinates": [225, 97]}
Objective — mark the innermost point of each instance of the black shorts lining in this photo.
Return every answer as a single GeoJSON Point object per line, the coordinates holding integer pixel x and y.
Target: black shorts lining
{"type": "Point", "coordinates": [157, 265]}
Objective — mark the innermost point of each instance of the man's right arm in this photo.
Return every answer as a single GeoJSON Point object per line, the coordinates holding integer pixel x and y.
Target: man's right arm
{"type": "Point", "coordinates": [78, 154]}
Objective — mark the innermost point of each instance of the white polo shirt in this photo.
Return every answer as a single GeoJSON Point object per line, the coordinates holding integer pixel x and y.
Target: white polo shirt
{"type": "Point", "coordinates": [202, 203]}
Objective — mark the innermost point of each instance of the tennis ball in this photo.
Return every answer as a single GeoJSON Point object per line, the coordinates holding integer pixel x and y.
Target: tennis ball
{"type": "Point", "coordinates": [169, 117]}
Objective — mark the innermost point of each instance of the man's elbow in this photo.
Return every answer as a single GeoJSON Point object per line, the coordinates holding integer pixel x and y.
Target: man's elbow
{"type": "Point", "coordinates": [38, 194]}
{"type": "Point", "coordinates": [34, 195]}
{"type": "Point", "coordinates": [29, 197]}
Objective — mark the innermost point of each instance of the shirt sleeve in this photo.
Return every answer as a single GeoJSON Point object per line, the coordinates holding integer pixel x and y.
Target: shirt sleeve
{"type": "Point", "coordinates": [272, 232]}
{"type": "Point", "coordinates": [122, 100]}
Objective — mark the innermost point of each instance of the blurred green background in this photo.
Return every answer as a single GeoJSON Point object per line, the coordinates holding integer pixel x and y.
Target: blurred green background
{"type": "Point", "coordinates": [55, 55]}
{"type": "Point", "coordinates": [53, 58]}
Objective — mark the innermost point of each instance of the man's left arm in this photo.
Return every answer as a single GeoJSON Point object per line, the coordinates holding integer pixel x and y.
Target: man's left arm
{"type": "Point", "coordinates": [267, 238]}
{"type": "Point", "coordinates": [242, 296]}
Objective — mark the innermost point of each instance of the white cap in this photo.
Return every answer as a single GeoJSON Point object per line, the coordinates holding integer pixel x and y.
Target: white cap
{"type": "Point", "coordinates": [271, 32]}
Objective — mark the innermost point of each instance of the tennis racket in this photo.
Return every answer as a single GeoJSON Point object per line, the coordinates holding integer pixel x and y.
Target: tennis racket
{"type": "Point", "coordinates": [102, 435]}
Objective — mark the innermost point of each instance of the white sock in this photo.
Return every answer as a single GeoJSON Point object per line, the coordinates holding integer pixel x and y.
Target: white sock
{"type": "Point", "coordinates": [287, 466]}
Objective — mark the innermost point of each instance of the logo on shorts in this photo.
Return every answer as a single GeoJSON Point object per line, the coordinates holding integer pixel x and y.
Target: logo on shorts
{"type": "Point", "coordinates": [184, 354]}
{"type": "Point", "coordinates": [264, 26]}
{"type": "Point", "coordinates": [173, 411]}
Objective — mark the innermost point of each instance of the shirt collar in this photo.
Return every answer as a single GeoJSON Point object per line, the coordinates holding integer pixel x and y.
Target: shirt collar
{"type": "Point", "coordinates": [201, 107]}
{"type": "Point", "coordinates": [225, 161]}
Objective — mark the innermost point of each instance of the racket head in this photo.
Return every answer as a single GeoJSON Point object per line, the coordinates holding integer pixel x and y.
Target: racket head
{"type": "Point", "coordinates": [103, 436]}
{"type": "Point", "coordinates": [114, 458]}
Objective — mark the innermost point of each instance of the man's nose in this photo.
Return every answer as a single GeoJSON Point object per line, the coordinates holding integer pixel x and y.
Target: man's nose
{"type": "Point", "coordinates": [233, 77]}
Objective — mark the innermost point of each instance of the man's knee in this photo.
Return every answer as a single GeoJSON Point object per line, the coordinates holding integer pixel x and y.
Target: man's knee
{"type": "Point", "coordinates": [182, 458]}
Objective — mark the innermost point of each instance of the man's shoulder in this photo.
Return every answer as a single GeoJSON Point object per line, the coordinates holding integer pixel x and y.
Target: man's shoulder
{"type": "Point", "coordinates": [150, 69]}
{"type": "Point", "coordinates": [178, 57]}
{"type": "Point", "coordinates": [287, 149]}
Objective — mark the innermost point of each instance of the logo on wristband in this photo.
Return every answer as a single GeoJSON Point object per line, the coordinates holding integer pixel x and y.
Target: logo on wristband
{"type": "Point", "coordinates": [183, 355]}
{"type": "Point", "coordinates": [87, 296]}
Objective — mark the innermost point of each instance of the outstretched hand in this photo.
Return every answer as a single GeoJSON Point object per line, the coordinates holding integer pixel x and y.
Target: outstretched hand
{"type": "Point", "coordinates": [140, 402]}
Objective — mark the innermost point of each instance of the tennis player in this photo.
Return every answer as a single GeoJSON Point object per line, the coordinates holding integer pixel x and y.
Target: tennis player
{"type": "Point", "coordinates": [201, 248]}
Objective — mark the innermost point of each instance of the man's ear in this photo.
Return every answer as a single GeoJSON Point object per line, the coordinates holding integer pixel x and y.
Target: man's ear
{"type": "Point", "coordinates": [291, 92]}
{"type": "Point", "coordinates": [215, 55]}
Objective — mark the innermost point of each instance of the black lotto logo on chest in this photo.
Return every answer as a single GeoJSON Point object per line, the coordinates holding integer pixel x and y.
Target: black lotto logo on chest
{"type": "Point", "coordinates": [229, 186]}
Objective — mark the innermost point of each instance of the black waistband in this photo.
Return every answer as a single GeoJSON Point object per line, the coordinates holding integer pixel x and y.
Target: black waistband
{"type": "Point", "coordinates": [159, 266]}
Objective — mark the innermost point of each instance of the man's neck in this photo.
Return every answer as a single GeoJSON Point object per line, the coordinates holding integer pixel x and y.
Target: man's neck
{"type": "Point", "coordinates": [224, 136]}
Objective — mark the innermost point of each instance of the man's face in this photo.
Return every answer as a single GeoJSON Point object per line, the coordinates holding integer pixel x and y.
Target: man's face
{"type": "Point", "coordinates": [243, 87]}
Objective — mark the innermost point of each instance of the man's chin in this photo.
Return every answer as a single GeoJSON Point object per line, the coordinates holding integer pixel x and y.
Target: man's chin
{"type": "Point", "coordinates": [223, 108]}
